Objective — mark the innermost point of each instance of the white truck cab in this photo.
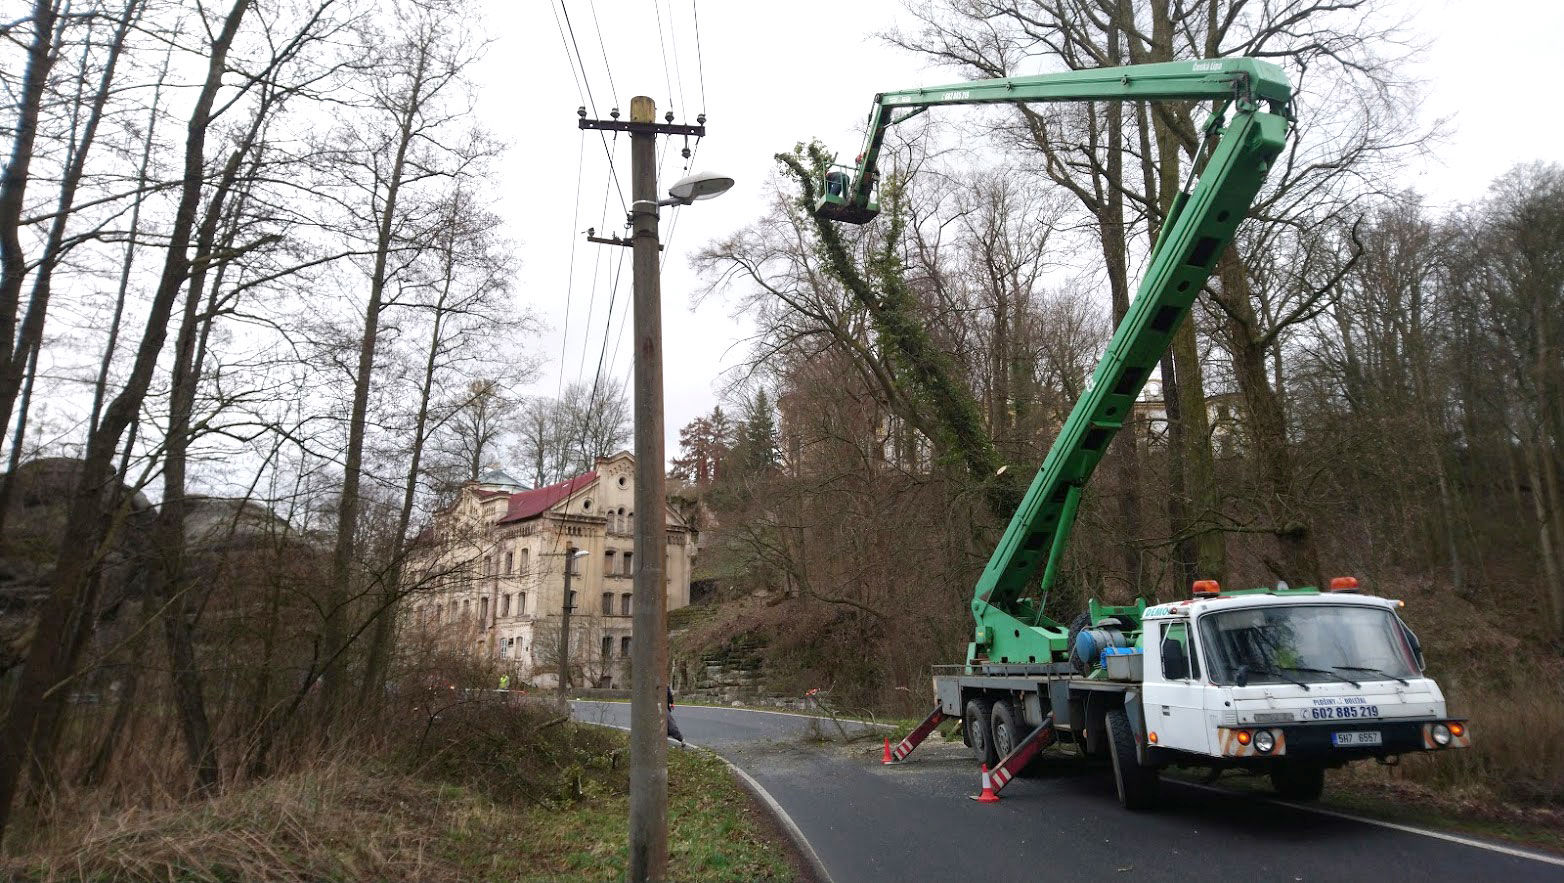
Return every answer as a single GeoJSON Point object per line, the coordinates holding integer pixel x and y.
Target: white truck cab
{"type": "Point", "coordinates": [1257, 677]}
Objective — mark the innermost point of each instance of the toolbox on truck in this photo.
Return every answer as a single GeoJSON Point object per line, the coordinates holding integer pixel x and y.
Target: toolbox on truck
{"type": "Point", "coordinates": [1123, 663]}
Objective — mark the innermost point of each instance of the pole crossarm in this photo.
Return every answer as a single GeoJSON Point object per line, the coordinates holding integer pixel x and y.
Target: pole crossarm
{"type": "Point", "coordinates": [643, 128]}
{"type": "Point", "coordinates": [627, 243]}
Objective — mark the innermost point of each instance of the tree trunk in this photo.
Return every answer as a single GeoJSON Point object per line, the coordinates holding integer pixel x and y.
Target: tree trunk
{"type": "Point", "coordinates": [13, 370]}
{"type": "Point", "coordinates": [1115, 253]}
{"type": "Point", "coordinates": [166, 581]}
{"type": "Point", "coordinates": [339, 592]}
{"type": "Point", "coordinates": [1297, 561]}
{"type": "Point", "coordinates": [41, 56]}
{"type": "Point", "coordinates": [381, 639]}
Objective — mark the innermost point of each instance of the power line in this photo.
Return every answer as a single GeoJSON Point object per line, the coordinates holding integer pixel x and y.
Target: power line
{"type": "Point", "coordinates": [598, 24]}
{"type": "Point", "coordinates": [597, 267]}
{"type": "Point", "coordinates": [613, 171]}
{"type": "Point", "coordinates": [591, 101]}
{"type": "Point", "coordinates": [570, 276]}
{"type": "Point", "coordinates": [662, 43]}
{"type": "Point", "coordinates": [700, 64]}
{"type": "Point", "coordinates": [678, 69]}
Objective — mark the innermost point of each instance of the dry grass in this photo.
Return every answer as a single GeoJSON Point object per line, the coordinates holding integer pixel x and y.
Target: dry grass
{"type": "Point", "coordinates": [459, 789]}
{"type": "Point", "coordinates": [1517, 755]}
{"type": "Point", "coordinates": [341, 823]}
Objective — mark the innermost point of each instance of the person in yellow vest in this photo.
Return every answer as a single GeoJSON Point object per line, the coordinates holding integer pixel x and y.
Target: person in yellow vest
{"type": "Point", "coordinates": [505, 682]}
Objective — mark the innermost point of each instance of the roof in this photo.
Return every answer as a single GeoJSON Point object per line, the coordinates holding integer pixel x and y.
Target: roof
{"type": "Point", "coordinates": [530, 504]}
{"type": "Point", "coordinates": [494, 477]}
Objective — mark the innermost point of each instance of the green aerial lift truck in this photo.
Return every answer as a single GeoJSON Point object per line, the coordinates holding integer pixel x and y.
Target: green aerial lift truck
{"type": "Point", "coordinates": [1282, 681]}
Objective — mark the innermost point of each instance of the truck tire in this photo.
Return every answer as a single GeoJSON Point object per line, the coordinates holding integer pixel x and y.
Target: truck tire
{"type": "Point", "coordinates": [1011, 729]}
{"type": "Point", "coordinates": [1077, 625]}
{"type": "Point", "coordinates": [980, 734]}
{"type": "Point", "coordinates": [1302, 782]}
{"type": "Point", "coordinates": [1138, 785]}
{"type": "Point", "coordinates": [1007, 727]}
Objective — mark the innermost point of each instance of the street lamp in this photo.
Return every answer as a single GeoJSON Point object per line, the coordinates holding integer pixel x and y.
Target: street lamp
{"type": "Point", "coordinates": [648, 858]}
{"type": "Point", "coordinates": [564, 628]}
{"type": "Point", "coordinates": [693, 188]}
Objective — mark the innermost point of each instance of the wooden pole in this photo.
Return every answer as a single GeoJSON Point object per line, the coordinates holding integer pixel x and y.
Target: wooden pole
{"type": "Point", "coordinates": [648, 745]}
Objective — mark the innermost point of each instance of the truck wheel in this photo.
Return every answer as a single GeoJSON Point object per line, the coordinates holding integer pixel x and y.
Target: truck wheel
{"type": "Point", "coordinates": [1298, 781]}
{"type": "Point", "coordinates": [1007, 728]}
{"type": "Point", "coordinates": [1010, 730]}
{"type": "Point", "coordinates": [979, 733]}
{"type": "Point", "coordinates": [1077, 625]}
{"type": "Point", "coordinates": [1137, 785]}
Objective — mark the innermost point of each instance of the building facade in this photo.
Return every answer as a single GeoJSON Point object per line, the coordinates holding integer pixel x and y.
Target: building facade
{"type": "Point", "coordinates": [493, 570]}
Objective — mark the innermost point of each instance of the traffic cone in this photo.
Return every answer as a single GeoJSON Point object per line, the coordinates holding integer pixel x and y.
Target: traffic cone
{"type": "Point", "coordinates": [988, 795]}
{"type": "Point", "coordinates": [887, 758]}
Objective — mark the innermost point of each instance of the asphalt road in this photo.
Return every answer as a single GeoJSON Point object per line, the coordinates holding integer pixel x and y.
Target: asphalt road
{"type": "Point", "coordinates": [913, 821]}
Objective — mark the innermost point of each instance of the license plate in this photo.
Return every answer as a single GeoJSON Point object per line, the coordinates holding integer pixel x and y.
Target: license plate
{"type": "Point", "coordinates": [1356, 737]}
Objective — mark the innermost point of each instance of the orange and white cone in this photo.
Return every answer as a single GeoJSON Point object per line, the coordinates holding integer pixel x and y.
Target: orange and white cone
{"type": "Point", "coordinates": [887, 758]}
{"type": "Point", "coordinates": [988, 795]}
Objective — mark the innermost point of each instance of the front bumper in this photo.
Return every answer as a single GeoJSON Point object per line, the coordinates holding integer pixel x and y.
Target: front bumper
{"type": "Point", "coordinates": [1317, 740]}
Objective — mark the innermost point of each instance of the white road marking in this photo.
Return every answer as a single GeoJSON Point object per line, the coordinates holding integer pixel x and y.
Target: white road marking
{"type": "Point", "coordinates": [759, 790]}
{"type": "Point", "coordinates": [1394, 826]}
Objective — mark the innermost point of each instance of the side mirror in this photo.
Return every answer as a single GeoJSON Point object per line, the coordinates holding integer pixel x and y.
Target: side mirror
{"type": "Point", "coordinates": [1417, 646]}
{"type": "Point", "coordinates": [1175, 665]}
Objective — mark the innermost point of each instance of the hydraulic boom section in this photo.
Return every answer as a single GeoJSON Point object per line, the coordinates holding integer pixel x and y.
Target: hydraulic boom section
{"type": "Point", "coordinates": [1250, 125]}
{"type": "Point", "coordinates": [848, 194]}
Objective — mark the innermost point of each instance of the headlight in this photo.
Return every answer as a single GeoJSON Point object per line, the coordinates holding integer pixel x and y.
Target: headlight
{"type": "Point", "coordinates": [1264, 742]}
{"type": "Point", "coordinates": [1441, 734]}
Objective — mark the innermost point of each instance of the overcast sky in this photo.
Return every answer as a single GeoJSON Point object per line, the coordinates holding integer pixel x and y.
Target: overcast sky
{"type": "Point", "coordinates": [775, 74]}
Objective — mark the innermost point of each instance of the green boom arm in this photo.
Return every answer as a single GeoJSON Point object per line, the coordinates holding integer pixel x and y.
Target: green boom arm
{"type": "Point", "coordinates": [1011, 627]}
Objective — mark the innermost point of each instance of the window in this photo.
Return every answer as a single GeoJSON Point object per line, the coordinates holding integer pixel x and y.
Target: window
{"type": "Point", "coordinates": [1178, 656]}
{"type": "Point", "coordinates": [572, 562]}
{"type": "Point", "coordinates": [608, 562]}
{"type": "Point", "coordinates": [483, 609]}
{"type": "Point", "coordinates": [608, 603]}
{"type": "Point", "coordinates": [505, 648]}
{"type": "Point", "coordinates": [629, 567]}
{"type": "Point", "coordinates": [572, 600]}
{"type": "Point", "coordinates": [624, 646]}
{"type": "Point", "coordinates": [510, 562]}
{"type": "Point", "coordinates": [466, 607]}
{"type": "Point", "coordinates": [621, 484]}
{"type": "Point", "coordinates": [521, 603]}
{"type": "Point", "coordinates": [608, 646]}
{"type": "Point", "coordinates": [1313, 643]}
{"type": "Point", "coordinates": [524, 555]}
{"type": "Point", "coordinates": [437, 612]}
{"type": "Point", "coordinates": [505, 605]}
{"type": "Point", "coordinates": [624, 604]}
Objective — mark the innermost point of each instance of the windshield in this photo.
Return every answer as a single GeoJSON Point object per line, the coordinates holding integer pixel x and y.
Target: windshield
{"type": "Point", "coordinates": [1310, 643]}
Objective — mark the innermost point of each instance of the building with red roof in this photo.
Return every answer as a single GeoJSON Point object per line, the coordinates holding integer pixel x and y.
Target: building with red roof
{"type": "Point", "coordinates": [493, 564]}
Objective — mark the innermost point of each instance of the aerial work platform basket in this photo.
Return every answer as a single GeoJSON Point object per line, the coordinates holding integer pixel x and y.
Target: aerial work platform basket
{"type": "Point", "coordinates": [837, 203]}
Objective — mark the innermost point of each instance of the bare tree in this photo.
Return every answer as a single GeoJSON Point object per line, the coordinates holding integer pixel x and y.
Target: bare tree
{"type": "Point", "coordinates": [33, 721]}
{"type": "Point", "coordinates": [421, 66]}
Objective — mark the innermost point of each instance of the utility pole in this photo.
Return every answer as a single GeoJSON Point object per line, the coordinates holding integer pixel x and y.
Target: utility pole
{"type": "Point", "coordinates": [649, 629]}
{"type": "Point", "coordinates": [648, 646]}
{"type": "Point", "coordinates": [564, 631]}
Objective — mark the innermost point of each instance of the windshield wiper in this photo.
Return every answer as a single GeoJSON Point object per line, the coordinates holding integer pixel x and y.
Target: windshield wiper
{"type": "Point", "coordinates": [1321, 671]}
{"type": "Point", "coordinates": [1379, 671]}
{"type": "Point", "coordinates": [1242, 675]}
